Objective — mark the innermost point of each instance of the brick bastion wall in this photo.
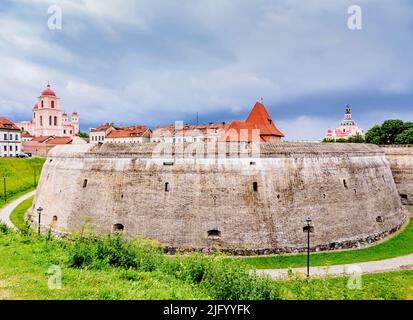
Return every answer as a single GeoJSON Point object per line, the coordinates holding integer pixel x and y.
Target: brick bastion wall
{"type": "Point", "coordinates": [401, 164]}
{"type": "Point", "coordinates": [242, 201]}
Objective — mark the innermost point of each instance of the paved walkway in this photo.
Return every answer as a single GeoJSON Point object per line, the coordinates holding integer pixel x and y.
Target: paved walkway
{"type": "Point", "coordinates": [6, 211]}
{"type": "Point", "coordinates": [399, 263]}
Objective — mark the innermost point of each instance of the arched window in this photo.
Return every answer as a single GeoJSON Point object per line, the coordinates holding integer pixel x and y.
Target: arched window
{"type": "Point", "coordinates": [166, 186]}
{"type": "Point", "coordinates": [42, 104]}
{"type": "Point", "coordinates": [55, 121]}
{"type": "Point", "coordinates": [50, 120]}
{"type": "Point", "coordinates": [52, 103]}
{"type": "Point", "coordinates": [118, 227]}
{"type": "Point", "coordinates": [85, 183]}
{"type": "Point", "coordinates": [41, 120]}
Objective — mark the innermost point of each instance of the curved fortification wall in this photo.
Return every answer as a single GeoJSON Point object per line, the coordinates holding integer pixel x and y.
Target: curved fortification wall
{"type": "Point", "coordinates": [401, 164]}
{"type": "Point", "coordinates": [246, 204]}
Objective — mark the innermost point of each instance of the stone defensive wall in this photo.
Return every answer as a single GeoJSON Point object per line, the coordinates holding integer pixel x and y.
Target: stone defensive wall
{"type": "Point", "coordinates": [245, 198]}
{"type": "Point", "coordinates": [401, 164]}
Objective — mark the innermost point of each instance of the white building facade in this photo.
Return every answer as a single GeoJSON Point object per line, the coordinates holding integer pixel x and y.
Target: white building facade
{"type": "Point", "coordinates": [10, 139]}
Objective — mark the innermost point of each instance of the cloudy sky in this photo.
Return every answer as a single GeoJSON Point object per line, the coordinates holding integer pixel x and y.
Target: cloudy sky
{"type": "Point", "coordinates": [153, 62]}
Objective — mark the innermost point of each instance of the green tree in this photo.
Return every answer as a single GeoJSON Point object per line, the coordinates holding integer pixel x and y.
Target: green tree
{"type": "Point", "coordinates": [358, 138]}
{"type": "Point", "coordinates": [406, 137]}
{"type": "Point", "coordinates": [408, 125]}
{"type": "Point", "coordinates": [83, 134]}
{"type": "Point", "coordinates": [390, 129]}
{"type": "Point", "coordinates": [375, 135]}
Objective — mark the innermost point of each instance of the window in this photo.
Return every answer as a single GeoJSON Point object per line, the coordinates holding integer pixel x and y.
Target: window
{"type": "Point", "coordinates": [11, 148]}
{"type": "Point", "coordinates": [85, 183]}
{"type": "Point", "coordinates": [42, 104]}
{"type": "Point", "coordinates": [5, 136]}
{"type": "Point", "coordinates": [64, 131]}
{"type": "Point", "coordinates": [166, 186]}
{"type": "Point", "coordinates": [17, 148]}
{"type": "Point", "coordinates": [50, 120]}
{"type": "Point", "coordinates": [55, 121]}
{"type": "Point", "coordinates": [5, 148]}
{"type": "Point", "coordinates": [52, 103]}
{"type": "Point", "coordinates": [345, 183]}
{"type": "Point", "coordinates": [17, 137]}
{"type": "Point", "coordinates": [41, 120]}
{"type": "Point", "coordinates": [70, 131]}
{"type": "Point", "coordinates": [255, 186]}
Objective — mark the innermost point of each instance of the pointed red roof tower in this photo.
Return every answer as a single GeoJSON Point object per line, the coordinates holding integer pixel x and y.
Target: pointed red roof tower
{"type": "Point", "coordinates": [258, 127]}
{"type": "Point", "coordinates": [260, 118]}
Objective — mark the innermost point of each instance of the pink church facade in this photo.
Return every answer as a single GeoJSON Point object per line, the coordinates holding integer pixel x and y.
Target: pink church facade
{"type": "Point", "coordinates": [348, 128]}
{"type": "Point", "coordinates": [48, 119]}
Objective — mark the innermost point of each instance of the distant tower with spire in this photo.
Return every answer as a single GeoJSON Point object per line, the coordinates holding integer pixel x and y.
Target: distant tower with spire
{"type": "Point", "coordinates": [348, 127]}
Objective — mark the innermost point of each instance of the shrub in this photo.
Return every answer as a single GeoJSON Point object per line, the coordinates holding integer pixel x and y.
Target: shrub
{"type": "Point", "coordinates": [113, 250]}
{"type": "Point", "coordinates": [4, 229]}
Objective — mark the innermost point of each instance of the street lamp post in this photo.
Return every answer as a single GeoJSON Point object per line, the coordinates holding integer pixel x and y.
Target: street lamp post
{"type": "Point", "coordinates": [39, 212]}
{"type": "Point", "coordinates": [308, 228]}
{"type": "Point", "coordinates": [5, 189]}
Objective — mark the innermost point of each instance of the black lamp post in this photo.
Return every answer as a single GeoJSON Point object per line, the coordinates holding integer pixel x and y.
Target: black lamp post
{"type": "Point", "coordinates": [308, 228]}
{"type": "Point", "coordinates": [39, 212]}
{"type": "Point", "coordinates": [5, 189]}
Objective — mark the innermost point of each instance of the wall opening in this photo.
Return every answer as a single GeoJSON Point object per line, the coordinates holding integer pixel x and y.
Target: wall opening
{"type": "Point", "coordinates": [379, 219]}
{"type": "Point", "coordinates": [85, 183]}
{"type": "Point", "coordinates": [345, 183]}
{"type": "Point", "coordinates": [118, 227]}
{"type": "Point", "coordinates": [403, 196]}
{"type": "Point", "coordinates": [166, 186]}
{"type": "Point", "coordinates": [255, 186]}
{"type": "Point", "coordinates": [214, 233]}
{"type": "Point", "coordinates": [252, 163]}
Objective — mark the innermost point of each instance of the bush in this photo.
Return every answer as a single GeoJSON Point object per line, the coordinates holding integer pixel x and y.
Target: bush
{"type": "Point", "coordinates": [113, 250]}
{"type": "Point", "coordinates": [4, 229]}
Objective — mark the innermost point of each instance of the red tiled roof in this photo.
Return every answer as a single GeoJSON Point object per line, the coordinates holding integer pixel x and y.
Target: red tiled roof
{"type": "Point", "coordinates": [27, 135]}
{"type": "Point", "coordinates": [128, 132]}
{"type": "Point", "coordinates": [242, 132]}
{"type": "Point", "coordinates": [258, 127]}
{"type": "Point", "coordinates": [7, 124]}
{"type": "Point", "coordinates": [60, 140]}
{"type": "Point", "coordinates": [42, 139]}
{"type": "Point", "coordinates": [188, 130]}
{"type": "Point", "coordinates": [101, 128]}
{"type": "Point", "coordinates": [260, 118]}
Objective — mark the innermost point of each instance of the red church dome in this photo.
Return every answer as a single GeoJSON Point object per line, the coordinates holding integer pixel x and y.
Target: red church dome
{"type": "Point", "coordinates": [48, 92]}
{"type": "Point", "coordinates": [35, 106]}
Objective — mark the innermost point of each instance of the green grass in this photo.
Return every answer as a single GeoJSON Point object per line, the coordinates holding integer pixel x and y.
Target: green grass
{"type": "Point", "coordinates": [17, 216]}
{"type": "Point", "coordinates": [398, 245]}
{"type": "Point", "coordinates": [26, 259]}
{"type": "Point", "coordinates": [20, 176]}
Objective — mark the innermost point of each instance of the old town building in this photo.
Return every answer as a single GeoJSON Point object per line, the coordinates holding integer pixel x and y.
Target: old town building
{"type": "Point", "coordinates": [48, 119]}
{"type": "Point", "coordinates": [10, 138]}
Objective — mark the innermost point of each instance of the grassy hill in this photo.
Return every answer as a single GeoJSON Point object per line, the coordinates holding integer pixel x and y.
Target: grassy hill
{"type": "Point", "coordinates": [21, 176]}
